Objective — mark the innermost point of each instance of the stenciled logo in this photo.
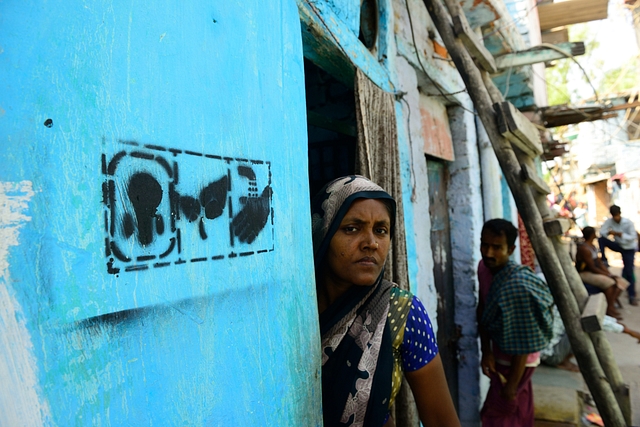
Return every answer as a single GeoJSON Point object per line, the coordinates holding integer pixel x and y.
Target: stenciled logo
{"type": "Point", "coordinates": [165, 206]}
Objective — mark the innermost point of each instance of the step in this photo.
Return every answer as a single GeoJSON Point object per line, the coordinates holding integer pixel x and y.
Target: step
{"type": "Point", "coordinates": [557, 405]}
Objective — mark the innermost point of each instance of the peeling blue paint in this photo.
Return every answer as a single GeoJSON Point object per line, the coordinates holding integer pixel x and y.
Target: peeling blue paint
{"type": "Point", "coordinates": [348, 11]}
{"type": "Point", "coordinates": [334, 47]}
{"type": "Point", "coordinates": [209, 341]}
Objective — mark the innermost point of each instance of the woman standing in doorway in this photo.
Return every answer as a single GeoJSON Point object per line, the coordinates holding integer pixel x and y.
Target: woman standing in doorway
{"type": "Point", "coordinates": [371, 330]}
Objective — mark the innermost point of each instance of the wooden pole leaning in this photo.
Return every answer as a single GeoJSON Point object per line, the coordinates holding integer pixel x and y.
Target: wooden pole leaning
{"type": "Point", "coordinates": [566, 302]}
{"type": "Point", "coordinates": [601, 344]}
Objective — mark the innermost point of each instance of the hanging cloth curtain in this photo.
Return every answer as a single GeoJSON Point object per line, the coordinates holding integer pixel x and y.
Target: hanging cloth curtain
{"type": "Point", "coordinates": [377, 159]}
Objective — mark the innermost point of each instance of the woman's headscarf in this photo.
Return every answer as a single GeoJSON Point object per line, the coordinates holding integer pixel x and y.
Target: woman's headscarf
{"type": "Point", "coordinates": [357, 359]}
{"type": "Point", "coordinates": [332, 203]}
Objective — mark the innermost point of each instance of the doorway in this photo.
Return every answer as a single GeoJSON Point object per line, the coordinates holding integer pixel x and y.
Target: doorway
{"type": "Point", "coordinates": [331, 127]}
{"type": "Point", "coordinates": [447, 336]}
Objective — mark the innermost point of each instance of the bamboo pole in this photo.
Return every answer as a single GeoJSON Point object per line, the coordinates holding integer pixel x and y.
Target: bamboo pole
{"type": "Point", "coordinates": [567, 304]}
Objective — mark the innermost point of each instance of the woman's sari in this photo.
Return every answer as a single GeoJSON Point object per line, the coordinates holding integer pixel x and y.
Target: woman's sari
{"type": "Point", "coordinates": [357, 356]}
{"type": "Point", "coordinates": [357, 359]}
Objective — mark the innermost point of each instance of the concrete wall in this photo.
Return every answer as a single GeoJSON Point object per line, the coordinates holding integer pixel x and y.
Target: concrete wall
{"type": "Point", "coordinates": [466, 210]}
{"type": "Point", "coordinates": [153, 172]}
{"type": "Point", "coordinates": [411, 134]}
{"type": "Point", "coordinates": [427, 54]}
{"type": "Point", "coordinates": [467, 201]}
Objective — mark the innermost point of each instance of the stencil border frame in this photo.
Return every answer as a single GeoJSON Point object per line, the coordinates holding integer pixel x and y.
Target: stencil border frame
{"type": "Point", "coordinates": [175, 152]}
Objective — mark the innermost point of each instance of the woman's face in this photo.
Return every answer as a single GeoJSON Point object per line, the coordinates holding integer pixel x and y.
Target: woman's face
{"type": "Point", "coordinates": [359, 248]}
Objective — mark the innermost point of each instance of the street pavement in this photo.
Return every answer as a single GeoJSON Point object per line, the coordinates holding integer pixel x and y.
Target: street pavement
{"type": "Point", "coordinates": [626, 349]}
{"type": "Point", "coordinates": [551, 383]}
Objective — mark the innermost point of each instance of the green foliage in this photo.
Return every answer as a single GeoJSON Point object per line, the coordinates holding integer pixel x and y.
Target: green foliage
{"type": "Point", "coordinates": [559, 91]}
{"type": "Point", "coordinates": [557, 83]}
{"type": "Point", "coordinates": [621, 79]}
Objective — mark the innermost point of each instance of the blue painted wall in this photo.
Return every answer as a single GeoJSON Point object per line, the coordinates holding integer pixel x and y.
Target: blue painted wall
{"type": "Point", "coordinates": [348, 11]}
{"type": "Point", "coordinates": [154, 198]}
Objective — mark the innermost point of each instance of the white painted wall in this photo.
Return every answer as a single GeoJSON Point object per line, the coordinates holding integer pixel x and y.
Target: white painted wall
{"type": "Point", "coordinates": [466, 218]}
{"type": "Point", "coordinates": [18, 367]}
{"type": "Point", "coordinates": [421, 227]}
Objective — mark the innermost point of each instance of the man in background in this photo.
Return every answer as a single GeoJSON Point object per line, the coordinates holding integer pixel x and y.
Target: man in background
{"type": "Point", "coordinates": [593, 272]}
{"type": "Point", "coordinates": [625, 242]}
{"type": "Point", "coordinates": [514, 324]}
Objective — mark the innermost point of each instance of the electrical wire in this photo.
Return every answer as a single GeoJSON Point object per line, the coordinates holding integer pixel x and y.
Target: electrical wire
{"type": "Point", "coordinates": [568, 106]}
{"type": "Point", "coordinates": [624, 122]}
{"type": "Point", "coordinates": [573, 108]}
{"type": "Point", "coordinates": [506, 89]}
{"type": "Point", "coordinates": [451, 93]}
{"type": "Point", "coordinates": [569, 55]}
{"type": "Point", "coordinates": [606, 135]}
{"type": "Point", "coordinates": [415, 45]}
{"type": "Point", "coordinates": [401, 97]}
{"type": "Point", "coordinates": [587, 116]}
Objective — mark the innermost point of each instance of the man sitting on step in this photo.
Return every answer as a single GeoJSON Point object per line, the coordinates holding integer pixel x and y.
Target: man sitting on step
{"type": "Point", "coordinates": [593, 272]}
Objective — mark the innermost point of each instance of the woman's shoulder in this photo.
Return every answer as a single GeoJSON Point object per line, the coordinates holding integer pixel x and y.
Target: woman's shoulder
{"type": "Point", "coordinates": [397, 292]}
{"type": "Point", "coordinates": [405, 297]}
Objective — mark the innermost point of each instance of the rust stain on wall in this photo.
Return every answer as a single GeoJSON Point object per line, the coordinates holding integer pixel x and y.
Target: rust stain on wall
{"type": "Point", "coordinates": [439, 49]}
{"type": "Point", "coordinates": [435, 129]}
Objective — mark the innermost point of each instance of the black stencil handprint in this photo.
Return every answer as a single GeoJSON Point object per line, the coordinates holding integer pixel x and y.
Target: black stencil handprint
{"type": "Point", "coordinates": [252, 218]}
{"type": "Point", "coordinates": [145, 194]}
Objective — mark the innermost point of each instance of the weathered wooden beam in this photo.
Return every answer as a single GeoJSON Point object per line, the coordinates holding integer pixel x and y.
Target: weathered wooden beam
{"type": "Point", "coordinates": [475, 46]}
{"type": "Point", "coordinates": [482, 13]}
{"type": "Point", "coordinates": [556, 226]}
{"type": "Point", "coordinates": [611, 370]}
{"type": "Point", "coordinates": [469, 38]}
{"type": "Point", "coordinates": [332, 46]}
{"type": "Point", "coordinates": [582, 346]}
{"type": "Point", "coordinates": [503, 128]}
{"type": "Point", "coordinates": [555, 36]}
{"type": "Point", "coordinates": [531, 177]}
{"type": "Point", "coordinates": [523, 129]}
{"type": "Point", "coordinates": [624, 106]}
{"type": "Point", "coordinates": [536, 55]}
{"type": "Point", "coordinates": [598, 338]}
{"type": "Point", "coordinates": [514, 126]}
{"type": "Point", "coordinates": [559, 14]}
{"type": "Point", "coordinates": [593, 313]}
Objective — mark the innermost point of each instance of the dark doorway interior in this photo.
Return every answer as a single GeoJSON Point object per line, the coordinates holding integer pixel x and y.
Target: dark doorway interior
{"type": "Point", "coordinates": [442, 270]}
{"type": "Point", "coordinates": [331, 127]}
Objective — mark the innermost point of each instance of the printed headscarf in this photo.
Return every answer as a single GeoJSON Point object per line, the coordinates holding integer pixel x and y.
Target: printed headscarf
{"type": "Point", "coordinates": [332, 203]}
{"type": "Point", "coordinates": [357, 359]}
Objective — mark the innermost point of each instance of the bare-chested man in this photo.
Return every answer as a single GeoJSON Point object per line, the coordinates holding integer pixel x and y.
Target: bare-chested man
{"type": "Point", "coordinates": [593, 272]}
